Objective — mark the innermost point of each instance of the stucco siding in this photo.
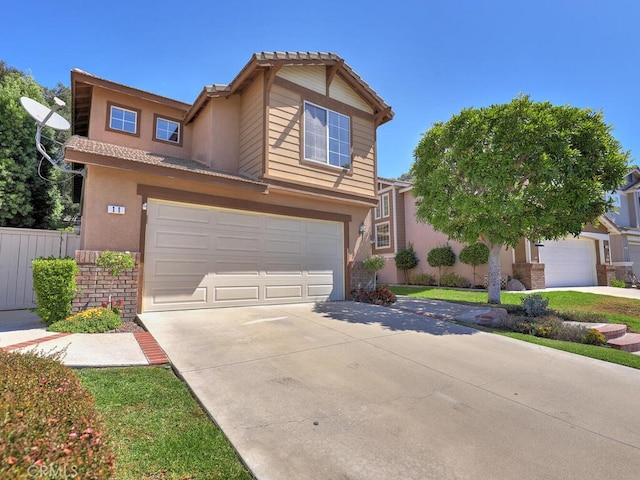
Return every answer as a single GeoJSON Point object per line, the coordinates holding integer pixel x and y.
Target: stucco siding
{"type": "Point", "coordinates": [340, 90]}
{"type": "Point", "coordinates": [311, 77]}
{"type": "Point", "coordinates": [251, 130]}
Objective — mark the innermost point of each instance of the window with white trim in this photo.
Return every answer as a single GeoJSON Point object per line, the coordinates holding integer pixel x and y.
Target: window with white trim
{"type": "Point", "coordinates": [327, 136]}
{"type": "Point", "coordinates": [382, 208]}
{"type": "Point", "coordinates": [167, 130]}
{"type": "Point", "coordinates": [615, 197]}
{"type": "Point", "coordinates": [383, 235]}
{"type": "Point", "coordinates": [123, 119]}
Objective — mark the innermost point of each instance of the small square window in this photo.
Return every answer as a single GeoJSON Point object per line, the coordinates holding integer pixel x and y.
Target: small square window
{"type": "Point", "coordinates": [167, 130]}
{"type": "Point", "coordinates": [123, 119]}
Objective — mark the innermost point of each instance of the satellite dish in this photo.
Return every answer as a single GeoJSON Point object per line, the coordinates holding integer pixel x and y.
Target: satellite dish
{"type": "Point", "coordinates": [43, 115]}
{"type": "Point", "coordinates": [47, 117]}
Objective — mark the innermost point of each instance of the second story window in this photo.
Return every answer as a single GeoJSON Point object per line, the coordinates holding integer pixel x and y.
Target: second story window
{"type": "Point", "coordinates": [383, 236]}
{"type": "Point", "coordinates": [123, 119]}
{"type": "Point", "coordinates": [167, 130]}
{"type": "Point", "coordinates": [382, 209]}
{"type": "Point", "coordinates": [327, 136]}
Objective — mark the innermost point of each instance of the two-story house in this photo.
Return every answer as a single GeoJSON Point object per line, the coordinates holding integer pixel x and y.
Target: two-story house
{"type": "Point", "coordinates": [625, 226]}
{"type": "Point", "coordinates": [257, 193]}
{"type": "Point", "coordinates": [595, 257]}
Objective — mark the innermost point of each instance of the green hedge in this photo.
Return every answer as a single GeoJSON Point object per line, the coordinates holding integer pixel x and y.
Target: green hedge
{"type": "Point", "coordinates": [49, 427]}
{"type": "Point", "coordinates": [54, 282]}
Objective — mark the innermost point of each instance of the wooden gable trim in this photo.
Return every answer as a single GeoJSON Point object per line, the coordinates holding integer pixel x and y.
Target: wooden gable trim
{"type": "Point", "coordinates": [331, 73]}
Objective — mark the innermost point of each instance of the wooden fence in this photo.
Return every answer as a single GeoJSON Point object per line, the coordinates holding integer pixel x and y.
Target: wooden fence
{"type": "Point", "coordinates": [18, 247]}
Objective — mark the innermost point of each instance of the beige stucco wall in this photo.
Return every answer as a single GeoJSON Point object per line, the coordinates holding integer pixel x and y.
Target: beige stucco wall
{"type": "Point", "coordinates": [144, 141]}
{"type": "Point", "coordinates": [107, 186]}
{"type": "Point", "coordinates": [216, 133]}
{"type": "Point", "coordinates": [425, 238]}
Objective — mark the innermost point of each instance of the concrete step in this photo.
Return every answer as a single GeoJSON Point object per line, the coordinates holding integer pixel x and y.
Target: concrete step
{"type": "Point", "coordinates": [627, 343]}
{"type": "Point", "coordinates": [612, 330]}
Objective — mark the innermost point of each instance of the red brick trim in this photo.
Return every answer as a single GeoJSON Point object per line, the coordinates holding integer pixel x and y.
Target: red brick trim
{"type": "Point", "coordinates": [30, 343]}
{"type": "Point", "coordinates": [155, 355]}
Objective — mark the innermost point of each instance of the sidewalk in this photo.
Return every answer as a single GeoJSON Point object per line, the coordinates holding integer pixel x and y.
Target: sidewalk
{"type": "Point", "coordinates": [22, 330]}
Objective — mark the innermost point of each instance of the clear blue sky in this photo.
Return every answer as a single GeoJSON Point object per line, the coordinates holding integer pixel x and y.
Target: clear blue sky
{"type": "Point", "coordinates": [427, 59]}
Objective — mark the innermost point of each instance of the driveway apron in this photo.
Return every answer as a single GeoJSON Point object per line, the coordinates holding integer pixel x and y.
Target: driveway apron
{"type": "Point", "coordinates": [351, 391]}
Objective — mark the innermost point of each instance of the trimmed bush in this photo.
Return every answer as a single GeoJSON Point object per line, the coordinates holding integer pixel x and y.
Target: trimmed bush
{"type": "Point", "coordinates": [373, 264]}
{"type": "Point", "coordinates": [552, 326]}
{"type": "Point", "coordinates": [114, 263]}
{"type": "Point", "coordinates": [616, 282]}
{"type": "Point", "coordinates": [585, 317]}
{"type": "Point", "coordinates": [406, 259]}
{"type": "Point", "coordinates": [379, 296]}
{"type": "Point", "coordinates": [422, 279]}
{"type": "Point", "coordinates": [474, 255]}
{"type": "Point", "coordinates": [453, 280]}
{"type": "Point", "coordinates": [441, 257]}
{"type": "Point", "coordinates": [94, 320]}
{"type": "Point", "coordinates": [54, 283]}
{"type": "Point", "coordinates": [49, 427]}
{"type": "Point", "coordinates": [594, 337]}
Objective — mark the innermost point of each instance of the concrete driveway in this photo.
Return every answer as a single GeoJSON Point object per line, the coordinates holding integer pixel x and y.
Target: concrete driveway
{"type": "Point", "coordinates": [351, 391]}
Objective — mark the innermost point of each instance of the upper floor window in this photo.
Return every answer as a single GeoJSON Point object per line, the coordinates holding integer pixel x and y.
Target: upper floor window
{"type": "Point", "coordinates": [382, 209]}
{"type": "Point", "coordinates": [327, 136]}
{"type": "Point", "coordinates": [167, 130]}
{"type": "Point", "coordinates": [615, 199]}
{"type": "Point", "coordinates": [123, 119]}
{"type": "Point", "coordinates": [383, 235]}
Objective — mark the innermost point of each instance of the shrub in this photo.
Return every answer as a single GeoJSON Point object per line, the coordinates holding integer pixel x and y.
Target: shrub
{"type": "Point", "coordinates": [535, 305]}
{"type": "Point", "coordinates": [453, 280]}
{"type": "Point", "coordinates": [616, 282]}
{"type": "Point", "coordinates": [474, 255]}
{"type": "Point", "coordinates": [373, 264]}
{"type": "Point", "coordinates": [94, 320]}
{"type": "Point", "coordinates": [594, 337]}
{"type": "Point", "coordinates": [585, 317]}
{"type": "Point", "coordinates": [114, 263]}
{"type": "Point", "coordinates": [54, 284]}
{"type": "Point", "coordinates": [441, 257]}
{"type": "Point", "coordinates": [49, 425]}
{"type": "Point", "coordinates": [379, 296]}
{"type": "Point", "coordinates": [406, 259]}
{"type": "Point", "coordinates": [422, 279]}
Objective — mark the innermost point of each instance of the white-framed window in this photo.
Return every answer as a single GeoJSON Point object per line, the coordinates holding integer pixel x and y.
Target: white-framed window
{"type": "Point", "coordinates": [615, 197]}
{"type": "Point", "coordinates": [123, 119]}
{"type": "Point", "coordinates": [327, 136]}
{"type": "Point", "coordinates": [382, 208]}
{"type": "Point", "coordinates": [167, 130]}
{"type": "Point", "coordinates": [383, 235]}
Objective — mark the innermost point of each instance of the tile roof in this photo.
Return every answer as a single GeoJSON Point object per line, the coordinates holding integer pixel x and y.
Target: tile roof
{"type": "Point", "coordinates": [85, 145]}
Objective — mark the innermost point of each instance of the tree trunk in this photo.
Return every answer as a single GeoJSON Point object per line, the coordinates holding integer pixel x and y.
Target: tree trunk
{"type": "Point", "coordinates": [494, 273]}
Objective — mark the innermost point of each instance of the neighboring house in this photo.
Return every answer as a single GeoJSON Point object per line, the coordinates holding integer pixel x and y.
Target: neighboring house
{"type": "Point", "coordinates": [584, 260]}
{"type": "Point", "coordinates": [624, 224]}
{"type": "Point", "coordinates": [257, 193]}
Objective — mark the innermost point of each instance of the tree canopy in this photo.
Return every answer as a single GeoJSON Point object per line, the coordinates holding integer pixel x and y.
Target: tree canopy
{"type": "Point", "coordinates": [521, 169]}
{"type": "Point", "coordinates": [32, 193]}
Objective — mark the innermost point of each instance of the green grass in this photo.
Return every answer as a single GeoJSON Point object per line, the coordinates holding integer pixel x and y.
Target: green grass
{"type": "Point", "coordinates": [600, 353]}
{"type": "Point", "coordinates": [615, 309]}
{"type": "Point", "coordinates": [157, 429]}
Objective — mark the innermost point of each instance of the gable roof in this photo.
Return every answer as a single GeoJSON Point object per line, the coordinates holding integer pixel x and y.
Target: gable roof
{"type": "Point", "coordinates": [265, 61]}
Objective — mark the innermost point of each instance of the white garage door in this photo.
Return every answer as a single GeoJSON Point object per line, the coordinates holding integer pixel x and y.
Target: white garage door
{"type": "Point", "coordinates": [634, 255]}
{"type": "Point", "coordinates": [569, 262]}
{"type": "Point", "coordinates": [204, 257]}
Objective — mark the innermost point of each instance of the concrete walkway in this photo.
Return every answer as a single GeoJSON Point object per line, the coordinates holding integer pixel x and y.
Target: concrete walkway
{"type": "Point", "coordinates": [22, 330]}
{"type": "Point", "coordinates": [344, 390]}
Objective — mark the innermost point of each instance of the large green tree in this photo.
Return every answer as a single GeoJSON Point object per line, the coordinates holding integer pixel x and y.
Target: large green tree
{"type": "Point", "coordinates": [32, 193]}
{"type": "Point", "coordinates": [521, 169]}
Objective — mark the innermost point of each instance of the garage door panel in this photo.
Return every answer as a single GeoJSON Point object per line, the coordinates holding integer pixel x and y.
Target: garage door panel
{"type": "Point", "coordinates": [246, 293]}
{"type": "Point", "coordinates": [176, 296]}
{"type": "Point", "coordinates": [227, 258]}
{"type": "Point", "coordinates": [569, 262]}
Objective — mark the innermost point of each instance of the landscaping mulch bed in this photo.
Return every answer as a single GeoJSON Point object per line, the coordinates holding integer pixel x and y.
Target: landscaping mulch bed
{"type": "Point", "coordinates": [128, 327]}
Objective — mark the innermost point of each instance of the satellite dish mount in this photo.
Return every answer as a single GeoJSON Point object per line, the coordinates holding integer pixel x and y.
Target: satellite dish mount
{"type": "Point", "coordinates": [47, 117]}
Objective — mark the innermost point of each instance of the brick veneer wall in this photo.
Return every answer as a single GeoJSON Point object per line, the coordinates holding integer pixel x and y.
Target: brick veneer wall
{"type": "Point", "coordinates": [93, 285]}
{"type": "Point", "coordinates": [530, 274]}
{"type": "Point", "coordinates": [605, 273]}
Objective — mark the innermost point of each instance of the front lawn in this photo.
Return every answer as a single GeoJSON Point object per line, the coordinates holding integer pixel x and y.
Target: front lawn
{"type": "Point", "coordinates": [157, 429]}
{"type": "Point", "coordinates": [615, 309]}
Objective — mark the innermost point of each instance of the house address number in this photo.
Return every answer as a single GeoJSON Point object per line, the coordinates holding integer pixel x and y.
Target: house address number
{"type": "Point", "coordinates": [117, 209]}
